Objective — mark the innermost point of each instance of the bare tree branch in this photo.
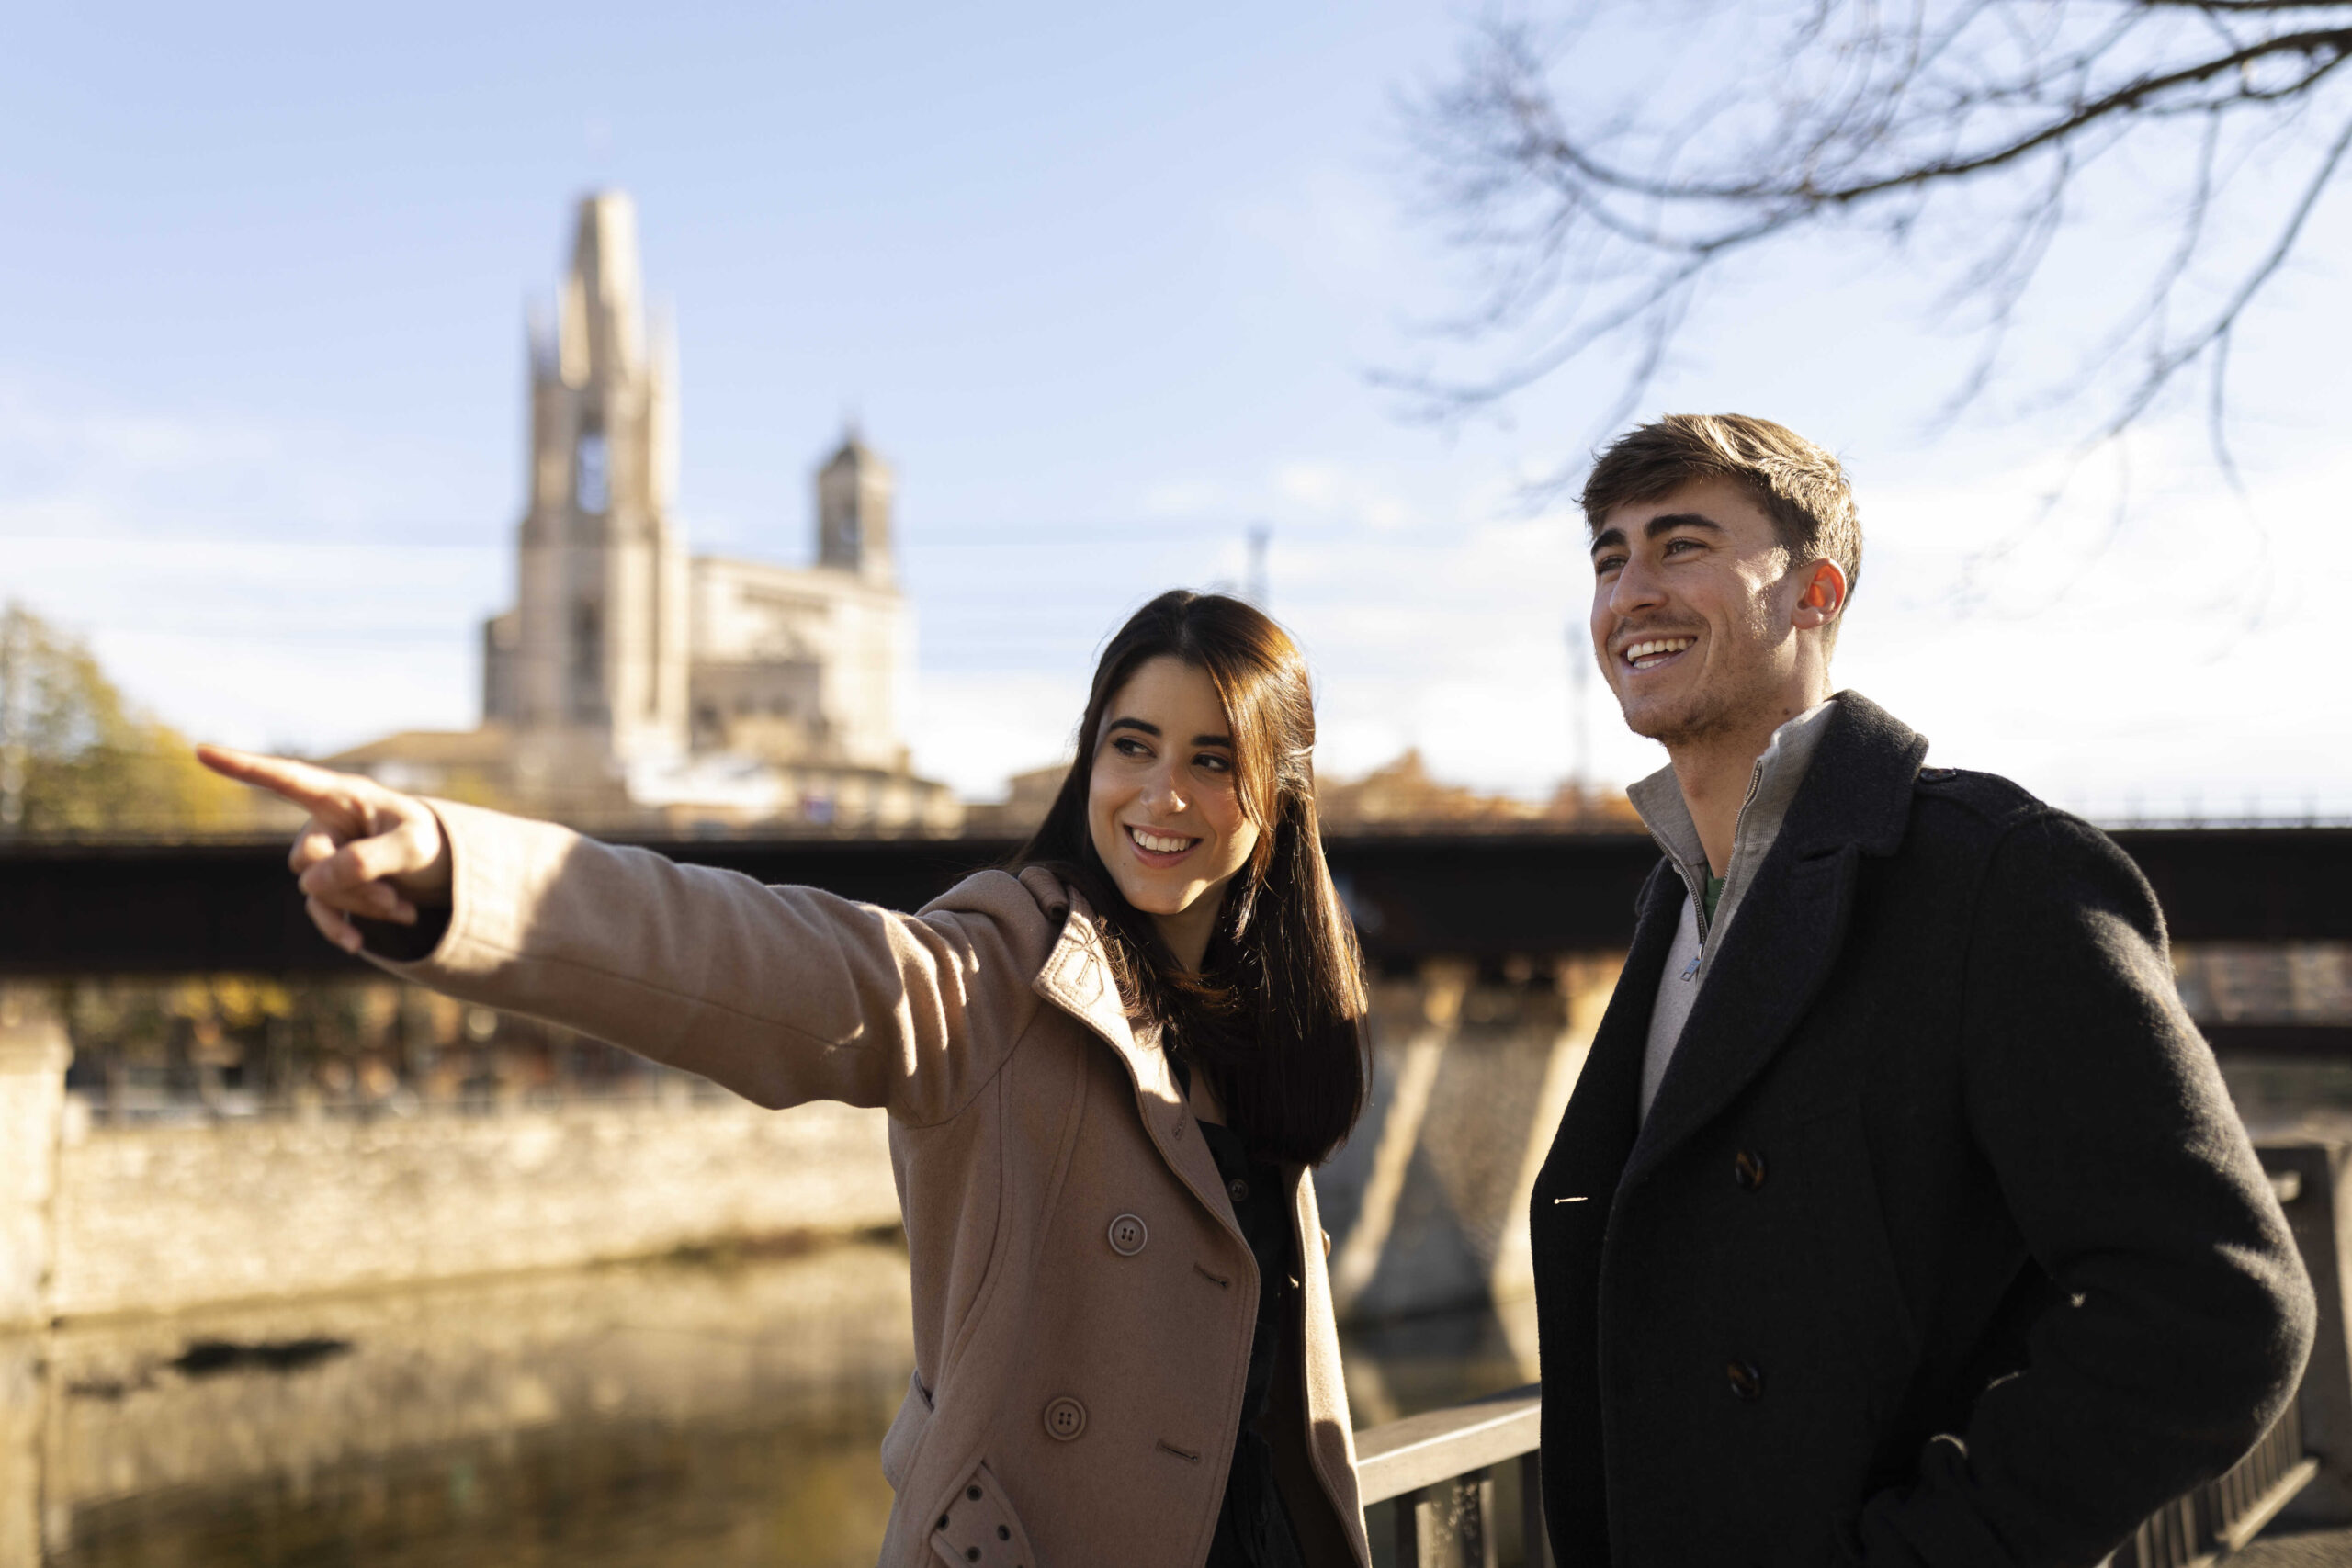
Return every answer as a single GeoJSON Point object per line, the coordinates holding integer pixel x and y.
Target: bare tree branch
{"type": "Point", "coordinates": [1592, 222]}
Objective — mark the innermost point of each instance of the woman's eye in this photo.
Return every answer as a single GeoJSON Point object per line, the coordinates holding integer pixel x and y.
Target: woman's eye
{"type": "Point", "coordinates": [1214, 763]}
{"type": "Point", "coordinates": [1128, 746]}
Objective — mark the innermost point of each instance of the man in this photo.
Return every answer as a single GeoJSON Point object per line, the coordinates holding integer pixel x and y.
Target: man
{"type": "Point", "coordinates": [1900, 1216]}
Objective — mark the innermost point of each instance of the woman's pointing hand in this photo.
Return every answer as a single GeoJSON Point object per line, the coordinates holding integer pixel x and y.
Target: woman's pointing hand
{"type": "Point", "coordinates": [366, 851]}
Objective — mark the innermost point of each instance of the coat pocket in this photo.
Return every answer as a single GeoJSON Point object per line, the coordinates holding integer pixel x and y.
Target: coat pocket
{"type": "Point", "coordinates": [978, 1526]}
{"type": "Point", "coordinates": [899, 1443]}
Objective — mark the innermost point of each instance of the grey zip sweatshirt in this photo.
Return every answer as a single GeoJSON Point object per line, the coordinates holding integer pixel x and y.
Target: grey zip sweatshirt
{"type": "Point", "coordinates": [1771, 786]}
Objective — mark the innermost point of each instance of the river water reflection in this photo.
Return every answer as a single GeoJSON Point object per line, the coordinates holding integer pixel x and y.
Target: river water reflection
{"type": "Point", "coordinates": [722, 1411]}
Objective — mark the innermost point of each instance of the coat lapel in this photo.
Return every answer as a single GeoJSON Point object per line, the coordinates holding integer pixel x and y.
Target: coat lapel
{"type": "Point", "coordinates": [1791, 925]}
{"type": "Point", "coordinates": [1077, 978]}
{"type": "Point", "coordinates": [1597, 1129]}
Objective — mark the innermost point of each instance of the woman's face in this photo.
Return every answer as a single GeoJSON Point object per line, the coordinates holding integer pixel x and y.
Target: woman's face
{"type": "Point", "coordinates": [1162, 802]}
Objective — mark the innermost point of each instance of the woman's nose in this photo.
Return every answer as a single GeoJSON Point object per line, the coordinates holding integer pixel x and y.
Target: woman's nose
{"type": "Point", "coordinates": [1159, 791]}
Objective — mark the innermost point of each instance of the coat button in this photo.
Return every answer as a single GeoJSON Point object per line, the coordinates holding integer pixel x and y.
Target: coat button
{"type": "Point", "coordinates": [1065, 1420]}
{"type": "Point", "coordinates": [1748, 1169]}
{"type": "Point", "coordinates": [1128, 1233]}
{"type": "Point", "coordinates": [1238, 1190]}
{"type": "Point", "coordinates": [1746, 1381]}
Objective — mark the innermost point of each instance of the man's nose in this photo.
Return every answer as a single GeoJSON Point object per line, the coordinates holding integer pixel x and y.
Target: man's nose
{"type": "Point", "coordinates": [1638, 587]}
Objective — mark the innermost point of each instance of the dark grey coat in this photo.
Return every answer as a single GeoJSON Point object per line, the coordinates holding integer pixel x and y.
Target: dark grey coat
{"type": "Point", "coordinates": [1941, 1244]}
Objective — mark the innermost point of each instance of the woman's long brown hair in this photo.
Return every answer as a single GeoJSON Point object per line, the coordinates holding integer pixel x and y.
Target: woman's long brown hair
{"type": "Point", "coordinates": [1276, 1015]}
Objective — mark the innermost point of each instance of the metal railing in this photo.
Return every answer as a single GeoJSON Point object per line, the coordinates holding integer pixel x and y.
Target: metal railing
{"type": "Point", "coordinates": [2220, 1517]}
{"type": "Point", "coordinates": [1438, 1469]}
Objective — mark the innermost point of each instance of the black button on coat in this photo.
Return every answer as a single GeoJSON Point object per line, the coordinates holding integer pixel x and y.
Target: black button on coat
{"type": "Point", "coordinates": [2015, 1279]}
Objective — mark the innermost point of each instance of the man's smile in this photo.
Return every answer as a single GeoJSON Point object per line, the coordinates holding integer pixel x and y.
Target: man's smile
{"type": "Point", "coordinates": [1651, 652]}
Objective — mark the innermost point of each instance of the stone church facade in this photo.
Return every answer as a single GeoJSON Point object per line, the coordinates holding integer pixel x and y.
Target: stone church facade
{"type": "Point", "coordinates": [632, 682]}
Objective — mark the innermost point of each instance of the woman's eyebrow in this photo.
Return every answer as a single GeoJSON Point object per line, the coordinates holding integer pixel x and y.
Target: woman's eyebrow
{"type": "Point", "coordinates": [1147, 728]}
{"type": "Point", "coordinates": [1224, 741]}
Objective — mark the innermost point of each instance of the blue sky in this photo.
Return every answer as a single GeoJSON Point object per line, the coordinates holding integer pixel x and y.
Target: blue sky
{"type": "Point", "coordinates": [1105, 284]}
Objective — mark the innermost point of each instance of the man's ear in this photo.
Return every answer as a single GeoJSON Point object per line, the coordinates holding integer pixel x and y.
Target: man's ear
{"type": "Point", "coordinates": [1824, 596]}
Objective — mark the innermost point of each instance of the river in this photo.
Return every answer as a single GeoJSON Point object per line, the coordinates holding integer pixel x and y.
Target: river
{"type": "Point", "coordinates": [717, 1411]}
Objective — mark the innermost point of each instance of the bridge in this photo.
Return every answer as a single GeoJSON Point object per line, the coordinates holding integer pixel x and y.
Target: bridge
{"type": "Point", "coordinates": [1481, 898]}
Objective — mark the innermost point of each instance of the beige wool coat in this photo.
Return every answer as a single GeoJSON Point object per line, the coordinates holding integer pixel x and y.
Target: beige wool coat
{"type": "Point", "coordinates": [1083, 1298]}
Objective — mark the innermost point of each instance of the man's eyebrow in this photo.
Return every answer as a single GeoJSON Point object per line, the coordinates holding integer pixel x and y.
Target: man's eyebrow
{"type": "Point", "coordinates": [1666, 521]}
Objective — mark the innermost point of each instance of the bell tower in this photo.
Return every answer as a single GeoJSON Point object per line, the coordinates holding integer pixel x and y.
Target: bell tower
{"type": "Point", "coordinates": [854, 491]}
{"type": "Point", "coordinates": [594, 668]}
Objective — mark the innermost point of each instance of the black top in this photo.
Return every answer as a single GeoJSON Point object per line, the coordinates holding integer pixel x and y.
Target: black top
{"type": "Point", "coordinates": [1253, 1529]}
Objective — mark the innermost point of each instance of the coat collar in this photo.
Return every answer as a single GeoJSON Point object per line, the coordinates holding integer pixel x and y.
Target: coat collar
{"type": "Point", "coordinates": [1773, 784]}
{"type": "Point", "coordinates": [1855, 801]}
{"type": "Point", "coordinates": [1076, 977]}
{"type": "Point", "coordinates": [1858, 791]}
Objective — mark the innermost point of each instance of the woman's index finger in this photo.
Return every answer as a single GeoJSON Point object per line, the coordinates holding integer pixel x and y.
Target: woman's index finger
{"type": "Point", "coordinates": [317, 790]}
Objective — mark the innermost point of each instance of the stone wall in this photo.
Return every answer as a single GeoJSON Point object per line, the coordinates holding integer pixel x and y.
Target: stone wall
{"type": "Point", "coordinates": [1426, 1205]}
{"type": "Point", "coordinates": [156, 1218]}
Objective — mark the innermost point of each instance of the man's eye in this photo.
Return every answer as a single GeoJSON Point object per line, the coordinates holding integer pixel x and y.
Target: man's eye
{"type": "Point", "coordinates": [1607, 564]}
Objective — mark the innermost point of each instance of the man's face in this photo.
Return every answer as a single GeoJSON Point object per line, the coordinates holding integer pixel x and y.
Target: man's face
{"type": "Point", "coordinates": [1695, 611]}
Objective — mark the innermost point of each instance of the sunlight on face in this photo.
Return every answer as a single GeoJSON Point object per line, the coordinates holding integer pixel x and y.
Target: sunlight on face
{"type": "Point", "coordinates": [1692, 609]}
{"type": "Point", "coordinates": [1162, 801]}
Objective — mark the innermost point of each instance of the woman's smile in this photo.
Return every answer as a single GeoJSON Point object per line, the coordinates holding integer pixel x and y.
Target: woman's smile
{"type": "Point", "coordinates": [1158, 849]}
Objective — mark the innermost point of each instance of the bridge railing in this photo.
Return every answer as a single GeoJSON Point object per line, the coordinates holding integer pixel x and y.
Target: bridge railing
{"type": "Point", "coordinates": [1438, 1469]}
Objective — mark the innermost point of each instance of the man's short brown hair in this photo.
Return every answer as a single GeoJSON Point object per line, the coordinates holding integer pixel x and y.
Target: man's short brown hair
{"type": "Point", "coordinates": [1800, 486]}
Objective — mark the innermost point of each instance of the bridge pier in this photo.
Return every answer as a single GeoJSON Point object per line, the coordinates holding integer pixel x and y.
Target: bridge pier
{"type": "Point", "coordinates": [1427, 1204]}
{"type": "Point", "coordinates": [24, 1414]}
{"type": "Point", "coordinates": [1581, 986]}
{"type": "Point", "coordinates": [33, 1056]}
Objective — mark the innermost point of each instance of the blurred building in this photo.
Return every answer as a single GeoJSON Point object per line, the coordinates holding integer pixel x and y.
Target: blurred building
{"type": "Point", "coordinates": [1027, 797]}
{"type": "Point", "coordinates": [633, 682]}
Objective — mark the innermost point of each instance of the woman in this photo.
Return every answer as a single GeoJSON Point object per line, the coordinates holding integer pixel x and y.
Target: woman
{"type": "Point", "coordinates": [1108, 1071]}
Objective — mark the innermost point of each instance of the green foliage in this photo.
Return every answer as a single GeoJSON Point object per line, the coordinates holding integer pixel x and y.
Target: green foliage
{"type": "Point", "coordinates": [76, 759]}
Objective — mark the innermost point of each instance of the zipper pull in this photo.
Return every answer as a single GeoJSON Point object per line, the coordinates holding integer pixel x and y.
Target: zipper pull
{"type": "Point", "coordinates": [1691, 970]}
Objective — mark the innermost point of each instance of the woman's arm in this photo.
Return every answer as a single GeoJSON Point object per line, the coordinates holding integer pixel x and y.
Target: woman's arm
{"type": "Point", "coordinates": [782, 993]}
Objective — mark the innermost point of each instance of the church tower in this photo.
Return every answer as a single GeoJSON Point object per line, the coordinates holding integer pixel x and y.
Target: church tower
{"type": "Point", "coordinates": [853, 490]}
{"type": "Point", "coordinates": [590, 671]}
